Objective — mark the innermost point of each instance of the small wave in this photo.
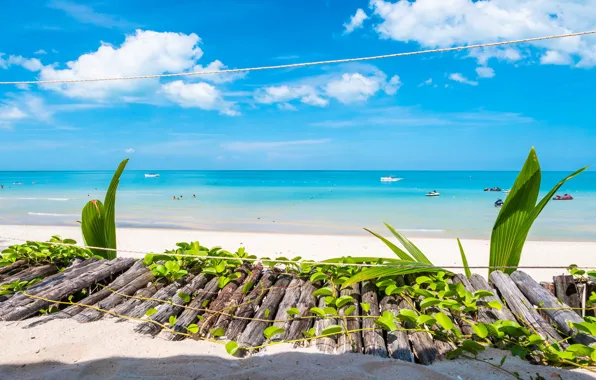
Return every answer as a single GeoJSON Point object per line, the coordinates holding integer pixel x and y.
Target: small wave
{"type": "Point", "coordinates": [48, 214]}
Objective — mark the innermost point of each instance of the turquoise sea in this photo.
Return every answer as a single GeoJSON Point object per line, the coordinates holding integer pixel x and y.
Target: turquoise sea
{"type": "Point", "coordinates": [319, 202]}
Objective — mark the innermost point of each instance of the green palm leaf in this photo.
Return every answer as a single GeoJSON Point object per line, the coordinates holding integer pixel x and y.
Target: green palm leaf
{"type": "Point", "coordinates": [410, 247]}
{"type": "Point", "coordinates": [403, 268]}
{"type": "Point", "coordinates": [92, 226]}
{"type": "Point", "coordinates": [110, 208]}
{"type": "Point", "coordinates": [400, 253]}
{"type": "Point", "coordinates": [464, 259]}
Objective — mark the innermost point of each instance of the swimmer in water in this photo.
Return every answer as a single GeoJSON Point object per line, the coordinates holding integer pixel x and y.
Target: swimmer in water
{"type": "Point", "coordinates": [174, 198]}
{"type": "Point", "coordinates": [194, 196]}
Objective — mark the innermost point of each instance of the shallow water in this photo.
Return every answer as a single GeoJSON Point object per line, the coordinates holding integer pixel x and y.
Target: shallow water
{"type": "Point", "coordinates": [327, 202]}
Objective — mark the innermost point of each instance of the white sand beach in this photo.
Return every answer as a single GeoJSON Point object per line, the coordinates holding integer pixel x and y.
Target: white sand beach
{"type": "Point", "coordinates": [441, 252]}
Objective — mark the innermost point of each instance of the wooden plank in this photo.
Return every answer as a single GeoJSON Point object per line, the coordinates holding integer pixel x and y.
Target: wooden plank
{"type": "Point", "coordinates": [520, 306]}
{"type": "Point", "coordinates": [230, 307]}
{"type": "Point", "coordinates": [325, 344]}
{"type": "Point", "coordinates": [568, 292]}
{"type": "Point", "coordinates": [305, 303]}
{"type": "Point", "coordinates": [351, 342]}
{"type": "Point", "coordinates": [553, 307]}
{"type": "Point", "coordinates": [189, 315]}
{"type": "Point", "coordinates": [250, 304]}
{"type": "Point", "coordinates": [398, 344]}
{"type": "Point", "coordinates": [289, 301]}
{"type": "Point", "coordinates": [480, 283]}
{"type": "Point", "coordinates": [142, 278]}
{"type": "Point", "coordinates": [165, 310]}
{"type": "Point", "coordinates": [69, 287]}
{"type": "Point", "coordinates": [31, 273]}
{"type": "Point", "coordinates": [253, 334]}
{"type": "Point", "coordinates": [373, 341]}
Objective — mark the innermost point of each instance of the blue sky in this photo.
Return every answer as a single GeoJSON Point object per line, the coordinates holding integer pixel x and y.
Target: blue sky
{"type": "Point", "coordinates": [479, 110]}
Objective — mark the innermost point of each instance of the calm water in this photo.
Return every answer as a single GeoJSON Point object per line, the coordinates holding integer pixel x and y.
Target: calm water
{"type": "Point", "coordinates": [338, 202]}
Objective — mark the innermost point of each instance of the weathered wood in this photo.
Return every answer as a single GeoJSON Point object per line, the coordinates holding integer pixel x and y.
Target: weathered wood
{"type": "Point", "coordinates": [398, 345]}
{"type": "Point", "coordinates": [549, 286]}
{"type": "Point", "coordinates": [464, 327]}
{"type": "Point", "coordinates": [250, 304]}
{"type": "Point", "coordinates": [493, 315]}
{"type": "Point", "coordinates": [230, 307]}
{"type": "Point", "coordinates": [351, 342]}
{"type": "Point", "coordinates": [553, 307]}
{"type": "Point", "coordinates": [12, 268]}
{"type": "Point", "coordinates": [30, 274]}
{"type": "Point", "coordinates": [520, 306]}
{"type": "Point", "coordinates": [325, 344]}
{"type": "Point", "coordinates": [131, 303]}
{"type": "Point", "coordinates": [567, 291]}
{"type": "Point", "coordinates": [290, 300]}
{"type": "Point", "coordinates": [422, 343]}
{"type": "Point", "coordinates": [305, 303]}
{"type": "Point", "coordinates": [163, 294]}
{"type": "Point", "coordinates": [144, 276]}
{"type": "Point", "coordinates": [189, 315]}
{"type": "Point", "coordinates": [373, 341]}
{"type": "Point", "coordinates": [253, 334]}
{"type": "Point", "coordinates": [69, 287]}
{"type": "Point", "coordinates": [175, 307]}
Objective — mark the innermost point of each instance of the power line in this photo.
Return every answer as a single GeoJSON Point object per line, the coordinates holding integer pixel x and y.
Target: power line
{"type": "Point", "coordinates": [304, 64]}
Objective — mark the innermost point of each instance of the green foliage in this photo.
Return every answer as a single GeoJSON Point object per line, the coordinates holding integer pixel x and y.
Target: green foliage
{"type": "Point", "coordinates": [16, 286]}
{"type": "Point", "coordinates": [272, 331]}
{"type": "Point", "coordinates": [518, 214]}
{"type": "Point", "coordinates": [37, 253]}
{"type": "Point", "coordinates": [464, 260]}
{"type": "Point", "coordinates": [98, 221]}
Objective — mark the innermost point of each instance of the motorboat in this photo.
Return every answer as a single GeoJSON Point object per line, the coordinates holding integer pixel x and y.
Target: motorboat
{"type": "Point", "coordinates": [499, 203]}
{"type": "Point", "coordinates": [151, 175]}
{"type": "Point", "coordinates": [390, 178]}
{"type": "Point", "coordinates": [17, 183]}
{"type": "Point", "coordinates": [565, 197]}
{"type": "Point", "coordinates": [433, 193]}
{"type": "Point", "coordinates": [496, 188]}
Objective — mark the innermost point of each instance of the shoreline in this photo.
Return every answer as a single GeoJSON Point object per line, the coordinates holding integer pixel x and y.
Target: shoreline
{"type": "Point", "coordinates": [440, 251]}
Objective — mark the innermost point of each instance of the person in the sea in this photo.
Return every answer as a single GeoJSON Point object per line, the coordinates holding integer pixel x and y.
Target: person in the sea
{"type": "Point", "coordinates": [174, 198]}
{"type": "Point", "coordinates": [194, 196]}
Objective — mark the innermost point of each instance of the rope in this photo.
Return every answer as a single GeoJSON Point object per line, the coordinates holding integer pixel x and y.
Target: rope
{"type": "Point", "coordinates": [304, 64]}
{"type": "Point", "coordinates": [303, 261]}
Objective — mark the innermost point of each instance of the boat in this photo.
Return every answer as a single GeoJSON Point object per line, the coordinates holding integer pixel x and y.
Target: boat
{"type": "Point", "coordinates": [496, 188]}
{"type": "Point", "coordinates": [433, 193]}
{"type": "Point", "coordinates": [17, 183]}
{"type": "Point", "coordinates": [565, 197]}
{"type": "Point", "coordinates": [390, 179]}
{"type": "Point", "coordinates": [151, 175]}
{"type": "Point", "coordinates": [499, 203]}
{"type": "Point", "coordinates": [507, 191]}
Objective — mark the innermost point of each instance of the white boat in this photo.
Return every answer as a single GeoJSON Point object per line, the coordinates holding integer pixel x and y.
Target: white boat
{"type": "Point", "coordinates": [390, 179]}
{"type": "Point", "coordinates": [506, 191]}
{"type": "Point", "coordinates": [432, 194]}
{"type": "Point", "coordinates": [151, 175]}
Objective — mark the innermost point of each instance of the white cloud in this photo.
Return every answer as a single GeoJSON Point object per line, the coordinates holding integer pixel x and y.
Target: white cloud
{"type": "Point", "coordinates": [462, 79]}
{"type": "Point", "coordinates": [286, 107]}
{"type": "Point", "coordinates": [285, 93]}
{"type": "Point", "coordinates": [217, 65]}
{"type": "Point", "coordinates": [485, 72]}
{"type": "Point", "coordinates": [40, 52]}
{"type": "Point", "coordinates": [553, 57]}
{"type": "Point", "coordinates": [352, 88]}
{"type": "Point", "coordinates": [31, 64]}
{"type": "Point", "coordinates": [355, 21]}
{"type": "Point", "coordinates": [197, 95]}
{"type": "Point", "coordinates": [129, 150]}
{"type": "Point", "coordinates": [439, 23]}
{"type": "Point", "coordinates": [142, 53]}
{"type": "Point", "coordinates": [87, 15]}
{"type": "Point", "coordinates": [251, 146]}
{"type": "Point", "coordinates": [427, 82]}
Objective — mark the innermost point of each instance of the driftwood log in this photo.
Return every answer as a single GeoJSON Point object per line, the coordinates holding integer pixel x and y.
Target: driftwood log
{"type": "Point", "coordinates": [423, 346]}
{"type": "Point", "coordinates": [166, 293]}
{"type": "Point", "coordinates": [567, 291]}
{"type": "Point", "coordinates": [137, 299]}
{"type": "Point", "coordinates": [372, 339]}
{"type": "Point", "coordinates": [305, 303]}
{"type": "Point", "coordinates": [398, 345]}
{"type": "Point", "coordinates": [351, 342]}
{"type": "Point", "coordinates": [289, 301]}
{"type": "Point", "coordinates": [553, 307]}
{"type": "Point", "coordinates": [325, 344]}
{"type": "Point", "coordinates": [479, 283]}
{"type": "Point", "coordinates": [30, 274]}
{"type": "Point", "coordinates": [12, 268]}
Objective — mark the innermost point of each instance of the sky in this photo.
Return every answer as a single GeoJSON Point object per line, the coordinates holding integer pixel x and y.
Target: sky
{"type": "Point", "coordinates": [471, 110]}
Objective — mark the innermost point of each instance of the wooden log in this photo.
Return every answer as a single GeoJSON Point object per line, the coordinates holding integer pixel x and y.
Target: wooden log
{"type": "Point", "coordinates": [423, 345]}
{"type": "Point", "coordinates": [567, 291]}
{"type": "Point", "coordinates": [215, 308]}
{"type": "Point", "coordinates": [373, 341]}
{"type": "Point", "coordinates": [549, 286]}
{"type": "Point", "coordinates": [230, 307]}
{"type": "Point", "coordinates": [69, 287]}
{"type": "Point", "coordinates": [189, 315]}
{"type": "Point", "coordinates": [253, 334]}
{"type": "Point", "coordinates": [163, 294]}
{"type": "Point", "coordinates": [289, 301]}
{"type": "Point", "coordinates": [464, 327]}
{"type": "Point", "coordinates": [144, 276]}
{"type": "Point", "coordinates": [351, 342]}
{"type": "Point", "coordinates": [480, 283]}
{"type": "Point", "coordinates": [30, 274]}
{"type": "Point", "coordinates": [250, 304]}
{"type": "Point", "coordinates": [325, 344]}
{"type": "Point", "coordinates": [305, 303]}
{"type": "Point", "coordinates": [554, 308]}
{"type": "Point", "coordinates": [398, 345]}
{"type": "Point", "coordinates": [12, 268]}
{"type": "Point", "coordinates": [175, 307]}
{"type": "Point", "coordinates": [521, 308]}
{"type": "Point", "coordinates": [131, 303]}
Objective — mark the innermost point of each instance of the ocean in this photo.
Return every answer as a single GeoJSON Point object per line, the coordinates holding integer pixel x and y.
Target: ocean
{"type": "Point", "coordinates": [313, 202]}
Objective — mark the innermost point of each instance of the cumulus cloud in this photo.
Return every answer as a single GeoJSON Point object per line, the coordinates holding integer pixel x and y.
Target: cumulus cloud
{"type": "Point", "coordinates": [31, 64]}
{"type": "Point", "coordinates": [355, 21]}
{"type": "Point", "coordinates": [285, 93]}
{"type": "Point", "coordinates": [286, 107]}
{"type": "Point", "coordinates": [40, 52]}
{"type": "Point", "coordinates": [197, 95]}
{"type": "Point", "coordinates": [439, 23]}
{"type": "Point", "coordinates": [457, 77]}
{"type": "Point", "coordinates": [427, 82]}
{"type": "Point", "coordinates": [485, 72]}
{"type": "Point", "coordinates": [217, 65]}
{"type": "Point", "coordinates": [352, 88]}
{"type": "Point", "coordinates": [553, 57]}
{"type": "Point", "coordinates": [129, 150]}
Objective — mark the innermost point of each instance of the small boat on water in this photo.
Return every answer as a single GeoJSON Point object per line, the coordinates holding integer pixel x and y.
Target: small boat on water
{"type": "Point", "coordinates": [507, 191]}
{"type": "Point", "coordinates": [565, 197]}
{"type": "Point", "coordinates": [390, 178]}
{"type": "Point", "coordinates": [499, 203]}
{"type": "Point", "coordinates": [151, 175]}
{"type": "Point", "coordinates": [496, 188]}
{"type": "Point", "coordinates": [17, 183]}
{"type": "Point", "coordinates": [433, 193]}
